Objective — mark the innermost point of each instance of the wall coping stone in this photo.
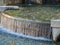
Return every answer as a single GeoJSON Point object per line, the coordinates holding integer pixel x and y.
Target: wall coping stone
{"type": "Point", "coordinates": [55, 23]}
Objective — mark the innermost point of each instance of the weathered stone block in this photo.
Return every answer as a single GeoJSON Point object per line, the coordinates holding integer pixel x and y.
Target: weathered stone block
{"type": "Point", "coordinates": [55, 24]}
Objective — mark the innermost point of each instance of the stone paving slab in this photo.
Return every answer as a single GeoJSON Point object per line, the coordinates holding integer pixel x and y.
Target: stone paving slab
{"type": "Point", "coordinates": [3, 8]}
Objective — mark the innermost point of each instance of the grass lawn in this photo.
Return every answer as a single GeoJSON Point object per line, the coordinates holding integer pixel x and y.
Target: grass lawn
{"type": "Point", "coordinates": [41, 13]}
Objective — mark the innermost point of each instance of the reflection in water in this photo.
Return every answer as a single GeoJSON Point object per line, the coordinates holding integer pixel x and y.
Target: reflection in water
{"type": "Point", "coordinates": [57, 43]}
{"type": "Point", "coordinates": [8, 39]}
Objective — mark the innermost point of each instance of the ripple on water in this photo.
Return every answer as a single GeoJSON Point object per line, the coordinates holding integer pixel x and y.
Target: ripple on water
{"type": "Point", "coordinates": [8, 39]}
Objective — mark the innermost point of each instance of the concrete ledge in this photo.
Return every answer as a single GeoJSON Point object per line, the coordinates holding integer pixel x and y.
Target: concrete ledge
{"type": "Point", "coordinates": [55, 24]}
{"type": "Point", "coordinates": [3, 8]}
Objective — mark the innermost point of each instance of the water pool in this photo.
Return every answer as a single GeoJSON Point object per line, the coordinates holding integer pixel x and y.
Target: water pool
{"type": "Point", "coordinates": [9, 39]}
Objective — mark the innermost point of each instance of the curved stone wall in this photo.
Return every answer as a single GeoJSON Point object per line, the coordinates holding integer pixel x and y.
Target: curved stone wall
{"type": "Point", "coordinates": [26, 27]}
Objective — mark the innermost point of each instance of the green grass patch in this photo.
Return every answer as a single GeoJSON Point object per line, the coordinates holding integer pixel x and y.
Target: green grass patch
{"type": "Point", "coordinates": [41, 13]}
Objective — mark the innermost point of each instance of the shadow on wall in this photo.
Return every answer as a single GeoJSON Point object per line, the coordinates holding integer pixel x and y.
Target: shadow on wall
{"type": "Point", "coordinates": [58, 38]}
{"type": "Point", "coordinates": [51, 2]}
{"type": "Point", "coordinates": [47, 2]}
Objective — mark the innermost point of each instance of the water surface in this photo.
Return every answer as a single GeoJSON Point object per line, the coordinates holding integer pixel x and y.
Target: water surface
{"type": "Point", "coordinates": [9, 39]}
